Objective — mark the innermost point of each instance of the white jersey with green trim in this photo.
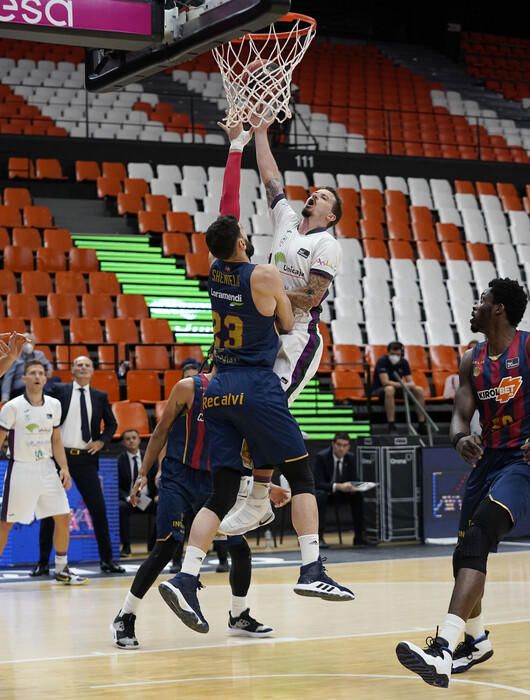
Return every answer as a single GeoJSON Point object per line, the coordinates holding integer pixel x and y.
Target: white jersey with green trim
{"type": "Point", "coordinates": [31, 427]}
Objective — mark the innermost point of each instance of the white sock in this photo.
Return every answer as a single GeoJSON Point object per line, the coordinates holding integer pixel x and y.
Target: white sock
{"type": "Point", "coordinates": [452, 629]}
{"type": "Point", "coordinates": [61, 562]}
{"type": "Point", "coordinates": [308, 548]}
{"type": "Point", "coordinates": [260, 490]}
{"type": "Point", "coordinates": [130, 604]}
{"type": "Point", "coordinates": [475, 626]}
{"type": "Point", "coordinates": [239, 604]}
{"type": "Point", "coordinates": [193, 559]}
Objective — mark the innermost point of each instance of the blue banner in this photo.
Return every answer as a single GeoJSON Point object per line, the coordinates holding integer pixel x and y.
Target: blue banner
{"type": "Point", "coordinates": [23, 543]}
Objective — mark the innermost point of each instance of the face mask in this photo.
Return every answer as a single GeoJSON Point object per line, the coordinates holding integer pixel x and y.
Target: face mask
{"type": "Point", "coordinates": [394, 359]}
{"type": "Point", "coordinates": [27, 347]}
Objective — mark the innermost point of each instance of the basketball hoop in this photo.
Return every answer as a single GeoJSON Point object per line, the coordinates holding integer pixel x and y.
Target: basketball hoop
{"type": "Point", "coordinates": [257, 70]}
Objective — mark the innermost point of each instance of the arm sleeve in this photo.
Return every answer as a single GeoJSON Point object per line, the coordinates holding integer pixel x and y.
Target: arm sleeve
{"type": "Point", "coordinates": [229, 204]}
{"type": "Point", "coordinates": [326, 258]}
{"type": "Point", "coordinates": [7, 417]}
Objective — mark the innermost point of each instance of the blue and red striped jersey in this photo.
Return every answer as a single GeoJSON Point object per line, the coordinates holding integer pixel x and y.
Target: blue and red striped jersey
{"type": "Point", "coordinates": [502, 389]}
{"type": "Point", "coordinates": [187, 442]}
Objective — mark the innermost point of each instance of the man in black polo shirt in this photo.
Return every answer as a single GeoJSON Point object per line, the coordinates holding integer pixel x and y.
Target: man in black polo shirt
{"type": "Point", "coordinates": [386, 385]}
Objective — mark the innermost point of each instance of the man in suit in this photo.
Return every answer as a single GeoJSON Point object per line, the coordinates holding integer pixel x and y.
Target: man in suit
{"type": "Point", "coordinates": [83, 410]}
{"type": "Point", "coordinates": [334, 471]}
{"type": "Point", "coordinates": [129, 463]}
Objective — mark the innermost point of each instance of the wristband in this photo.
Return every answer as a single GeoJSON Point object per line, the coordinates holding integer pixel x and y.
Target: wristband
{"type": "Point", "coordinates": [239, 143]}
{"type": "Point", "coordinates": [458, 437]}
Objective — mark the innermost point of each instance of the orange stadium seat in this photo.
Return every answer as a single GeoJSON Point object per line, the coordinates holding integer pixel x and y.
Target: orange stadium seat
{"type": "Point", "coordinates": [399, 230]}
{"type": "Point", "coordinates": [83, 260]}
{"type": "Point", "coordinates": [423, 230]}
{"type": "Point", "coordinates": [296, 192]}
{"type": "Point", "coordinates": [157, 203]}
{"type": "Point", "coordinates": [348, 385]}
{"type": "Point", "coordinates": [402, 250]}
{"type": "Point", "coordinates": [151, 357]}
{"type": "Point", "coordinates": [156, 330]}
{"type": "Point", "coordinates": [9, 325]}
{"type": "Point", "coordinates": [131, 306]}
{"type": "Point", "coordinates": [447, 233]}
{"type": "Point", "coordinates": [439, 378]}
{"type": "Point", "coordinates": [63, 306]}
{"type": "Point", "coordinates": [510, 203]}
{"type": "Point", "coordinates": [171, 377]}
{"type": "Point", "coordinates": [58, 239]}
{"type": "Point", "coordinates": [197, 265]}
{"type": "Point", "coordinates": [506, 189]}
{"type": "Point", "coordinates": [103, 283]}
{"type": "Point", "coordinates": [375, 249]}
{"type": "Point", "coordinates": [47, 330]}
{"type": "Point", "coordinates": [108, 356]}
{"type": "Point", "coordinates": [175, 244]}
{"type": "Point", "coordinates": [372, 212]}
{"type": "Point", "coordinates": [150, 222]}
{"type": "Point", "coordinates": [136, 185]}
{"type": "Point", "coordinates": [8, 282]}
{"type": "Point", "coordinates": [179, 221]}
{"type": "Point", "coordinates": [184, 352]}
{"type": "Point", "coordinates": [429, 250]}
{"type": "Point", "coordinates": [47, 351]}
{"type": "Point", "coordinates": [40, 217]}
{"type": "Point", "coordinates": [477, 251]}
{"type": "Point", "coordinates": [51, 260]}
{"type": "Point", "coordinates": [372, 229]}
{"type": "Point", "coordinates": [4, 238]}
{"type": "Point", "coordinates": [85, 330]}
{"type": "Point", "coordinates": [70, 283]}
{"type": "Point", "coordinates": [22, 306]}
{"type": "Point", "coordinates": [464, 187]}
{"type": "Point", "coordinates": [130, 416]}
{"type": "Point", "coordinates": [115, 170]}
{"type": "Point", "coordinates": [347, 228]}
{"type": "Point", "coordinates": [417, 357]}
{"type": "Point", "coordinates": [10, 216]}
{"type": "Point", "coordinates": [373, 353]}
{"type": "Point", "coordinates": [443, 358]}
{"type": "Point", "coordinates": [371, 198]}
{"type": "Point", "coordinates": [324, 332]}
{"type": "Point", "coordinates": [107, 381]}
{"type": "Point", "coordinates": [453, 250]}
{"type": "Point", "coordinates": [87, 171]}
{"type": "Point", "coordinates": [143, 385]}
{"type": "Point", "coordinates": [121, 330]}
{"type": "Point", "coordinates": [26, 237]}
{"type": "Point", "coordinates": [66, 354]}
{"type": "Point", "coordinates": [325, 365]}
{"type": "Point", "coordinates": [348, 357]}
{"type": "Point", "coordinates": [420, 379]}
{"type": "Point", "coordinates": [98, 306]}
{"type": "Point", "coordinates": [48, 169]}
{"type": "Point", "coordinates": [20, 168]}
{"type": "Point", "coordinates": [36, 282]}
{"type": "Point", "coordinates": [129, 204]}
{"type": "Point", "coordinates": [485, 188]}
{"type": "Point", "coordinates": [198, 244]}
{"type": "Point", "coordinates": [18, 197]}
{"type": "Point", "coordinates": [108, 187]}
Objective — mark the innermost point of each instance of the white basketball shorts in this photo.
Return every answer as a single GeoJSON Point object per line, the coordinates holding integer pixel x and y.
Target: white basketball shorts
{"type": "Point", "coordinates": [32, 490]}
{"type": "Point", "coordinates": [298, 358]}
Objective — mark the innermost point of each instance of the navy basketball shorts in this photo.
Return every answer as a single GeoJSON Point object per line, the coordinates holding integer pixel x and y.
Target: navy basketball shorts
{"type": "Point", "coordinates": [249, 404]}
{"type": "Point", "coordinates": [503, 476]}
{"type": "Point", "coordinates": [183, 492]}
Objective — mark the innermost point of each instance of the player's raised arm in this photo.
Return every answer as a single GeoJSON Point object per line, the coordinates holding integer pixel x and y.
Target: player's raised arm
{"type": "Point", "coordinates": [238, 138]}
{"type": "Point", "coordinates": [268, 169]}
{"type": "Point", "coordinates": [467, 445]}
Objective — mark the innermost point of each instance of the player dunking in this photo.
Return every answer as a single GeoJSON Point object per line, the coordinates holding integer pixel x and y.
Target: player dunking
{"type": "Point", "coordinates": [495, 379]}
{"type": "Point", "coordinates": [307, 257]}
{"type": "Point", "coordinates": [32, 486]}
{"type": "Point", "coordinates": [185, 485]}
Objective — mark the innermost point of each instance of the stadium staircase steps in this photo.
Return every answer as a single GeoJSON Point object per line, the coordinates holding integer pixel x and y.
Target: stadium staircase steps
{"type": "Point", "coordinates": [69, 212]}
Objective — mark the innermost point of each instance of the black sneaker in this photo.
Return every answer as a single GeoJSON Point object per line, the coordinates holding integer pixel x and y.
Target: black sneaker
{"type": "Point", "coordinates": [471, 652]}
{"type": "Point", "coordinates": [246, 626]}
{"type": "Point", "coordinates": [122, 629]}
{"type": "Point", "coordinates": [432, 664]}
{"type": "Point", "coordinates": [180, 593]}
{"type": "Point", "coordinates": [314, 582]}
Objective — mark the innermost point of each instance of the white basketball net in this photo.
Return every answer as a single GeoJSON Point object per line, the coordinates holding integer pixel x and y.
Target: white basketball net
{"type": "Point", "coordinates": [257, 71]}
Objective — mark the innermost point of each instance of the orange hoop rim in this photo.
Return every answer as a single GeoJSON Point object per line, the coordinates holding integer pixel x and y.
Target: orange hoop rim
{"type": "Point", "coordinates": [289, 17]}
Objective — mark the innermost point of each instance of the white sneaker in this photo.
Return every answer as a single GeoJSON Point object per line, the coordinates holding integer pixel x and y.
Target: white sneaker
{"type": "Point", "coordinates": [432, 664]}
{"type": "Point", "coordinates": [67, 578]}
{"type": "Point", "coordinates": [471, 652]}
{"type": "Point", "coordinates": [254, 513]}
{"type": "Point", "coordinates": [245, 487]}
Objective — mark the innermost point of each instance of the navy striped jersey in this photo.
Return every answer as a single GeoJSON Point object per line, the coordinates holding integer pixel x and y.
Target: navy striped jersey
{"type": "Point", "coordinates": [502, 388]}
{"type": "Point", "coordinates": [187, 442]}
{"type": "Point", "coordinates": [243, 336]}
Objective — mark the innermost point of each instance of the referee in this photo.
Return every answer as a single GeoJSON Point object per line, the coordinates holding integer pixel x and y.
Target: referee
{"type": "Point", "coordinates": [83, 410]}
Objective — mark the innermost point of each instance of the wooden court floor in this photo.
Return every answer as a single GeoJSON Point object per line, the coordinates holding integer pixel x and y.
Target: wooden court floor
{"type": "Point", "coordinates": [55, 642]}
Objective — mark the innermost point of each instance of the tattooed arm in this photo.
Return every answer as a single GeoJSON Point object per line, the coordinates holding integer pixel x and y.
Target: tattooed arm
{"type": "Point", "coordinates": [305, 298]}
{"type": "Point", "coordinates": [268, 170]}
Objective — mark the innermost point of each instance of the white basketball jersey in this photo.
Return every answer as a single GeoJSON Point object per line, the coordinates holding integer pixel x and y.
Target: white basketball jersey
{"type": "Point", "coordinates": [31, 426]}
{"type": "Point", "coordinates": [297, 255]}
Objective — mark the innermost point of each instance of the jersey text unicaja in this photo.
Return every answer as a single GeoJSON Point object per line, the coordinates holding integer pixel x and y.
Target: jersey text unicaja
{"type": "Point", "coordinates": [30, 427]}
{"type": "Point", "coordinates": [296, 256]}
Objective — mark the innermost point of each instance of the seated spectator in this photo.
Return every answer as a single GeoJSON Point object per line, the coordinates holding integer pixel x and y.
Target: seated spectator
{"type": "Point", "coordinates": [12, 383]}
{"type": "Point", "coordinates": [129, 463]}
{"type": "Point", "coordinates": [388, 369]}
{"type": "Point", "coordinates": [334, 471]}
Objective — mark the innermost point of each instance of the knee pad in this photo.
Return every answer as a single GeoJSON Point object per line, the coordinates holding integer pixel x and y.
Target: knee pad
{"type": "Point", "coordinates": [489, 523]}
{"type": "Point", "coordinates": [299, 476]}
{"type": "Point", "coordinates": [238, 548]}
{"type": "Point", "coordinates": [225, 489]}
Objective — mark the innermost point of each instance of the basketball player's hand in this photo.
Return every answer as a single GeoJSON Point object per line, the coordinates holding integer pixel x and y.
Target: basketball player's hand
{"type": "Point", "coordinates": [66, 479]}
{"type": "Point", "coordinates": [279, 497]}
{"type": "Point", "coordinates": [526, 451]}
{"type": "Point", "coordinates": [11, 344]}
{"type": "Point", "coordinates": [138, 485]}
{"type": "Point", "coordinates": [470, 448]}
{"type": "Point", "coordinates": [95, 446]}
{"type": "Point", "coordinates": [237, 136]}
